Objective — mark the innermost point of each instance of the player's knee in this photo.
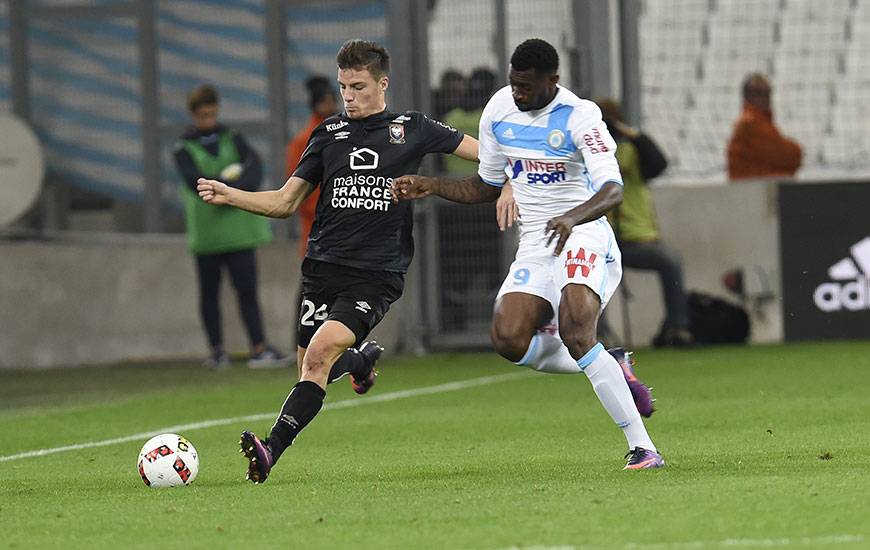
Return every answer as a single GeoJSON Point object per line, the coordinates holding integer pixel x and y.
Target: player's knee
{"type": "Point", "coordinates": [509, 342]}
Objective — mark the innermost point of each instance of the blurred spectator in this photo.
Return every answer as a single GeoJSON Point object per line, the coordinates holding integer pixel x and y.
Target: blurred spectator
{"type": "Point", "coordinates": [757, 149]}
{"type": "Point", "coordinates": [323, 104]}
{"type": "Point", "coordinates": [451, 93]}
{"type": "Point", "coordinates": [220, 236]}
{"type": "Point", "coordinates": [465, 116]}
{"type": "Point", "coordinates": [636, 225]}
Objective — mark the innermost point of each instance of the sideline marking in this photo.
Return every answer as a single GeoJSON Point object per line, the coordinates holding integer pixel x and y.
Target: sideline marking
{"type": "Point", "coordinates": [345, 404]}
{"type": "Point", "coordinates": [727, 543]}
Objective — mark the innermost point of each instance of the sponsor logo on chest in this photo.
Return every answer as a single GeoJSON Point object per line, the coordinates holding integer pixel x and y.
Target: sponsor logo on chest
{"type": "Point", "coordinates": [539, 171]}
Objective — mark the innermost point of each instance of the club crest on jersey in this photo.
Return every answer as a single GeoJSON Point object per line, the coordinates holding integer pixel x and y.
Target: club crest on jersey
{"type": "Point", "coordinates": [555, 138]}
{"type": "Point", "coordinates": [397, 133]}
{"type": "Point", "coordinates": [580, 260]}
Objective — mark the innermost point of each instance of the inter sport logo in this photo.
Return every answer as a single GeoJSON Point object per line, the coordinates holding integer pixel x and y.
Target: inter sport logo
{"type": "Point", "coordinates": [852, 289]}
{"type": "Point", "coordinates": [539, 171]}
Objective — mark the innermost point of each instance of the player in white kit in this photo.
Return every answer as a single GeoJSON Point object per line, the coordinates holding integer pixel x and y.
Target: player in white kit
{"type": "Point", "coordinates": [559, 157]}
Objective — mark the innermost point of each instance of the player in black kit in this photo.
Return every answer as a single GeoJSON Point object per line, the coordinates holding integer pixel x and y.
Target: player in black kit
{"type": "Point", "coordinates": [360, 244]}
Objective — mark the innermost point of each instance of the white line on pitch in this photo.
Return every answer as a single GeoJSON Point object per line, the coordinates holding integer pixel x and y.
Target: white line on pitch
{"type": "Point", "coordinates": [347, 403]}
{"type": "Point", "coordinates": [702, 544]}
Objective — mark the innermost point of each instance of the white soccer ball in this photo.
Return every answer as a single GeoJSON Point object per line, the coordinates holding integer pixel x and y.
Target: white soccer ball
{"type": "Point", "coordinates": [168, 460]}
{"type": "Point", "coordinates": [232, 172]}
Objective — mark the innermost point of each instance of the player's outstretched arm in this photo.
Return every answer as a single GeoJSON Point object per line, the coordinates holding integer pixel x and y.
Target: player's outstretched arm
{"type": "Point", "coordinates": [470, 190]}
{"type": "Point", "coordinates": [279, 203]}
{"type": "Point", "coordinates": [609, 196]}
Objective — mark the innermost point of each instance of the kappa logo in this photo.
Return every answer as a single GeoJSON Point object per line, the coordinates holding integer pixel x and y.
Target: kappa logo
{"type": "Point", "coordinates": [363, 306]}
{"type": "Point", "coordinates": [341, 135]}
{"type": "Point", "coordinates": [853, 295]}
{"type": "Point", "coordinates": [585, 264]}
{"type": "Point", "coordinates": [336, 126]}
{"type": "Point", "coordinates": [364, 159]}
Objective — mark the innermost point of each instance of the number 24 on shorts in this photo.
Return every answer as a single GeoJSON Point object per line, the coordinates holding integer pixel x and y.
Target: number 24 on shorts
{"type": "Point", "coordinates": [311, 313]}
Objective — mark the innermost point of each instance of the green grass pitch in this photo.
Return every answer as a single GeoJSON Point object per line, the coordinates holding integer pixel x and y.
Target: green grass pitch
{"type": "Point", "coordinates": [766, 447]}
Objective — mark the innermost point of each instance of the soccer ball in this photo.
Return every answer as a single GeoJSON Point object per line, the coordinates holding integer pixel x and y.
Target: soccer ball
{"type": "Point", "coordinates": [168, 460]}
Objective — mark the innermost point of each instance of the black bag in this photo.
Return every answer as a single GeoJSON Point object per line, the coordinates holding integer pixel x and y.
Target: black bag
{"type": "Point", "coordinates": [715, 321]}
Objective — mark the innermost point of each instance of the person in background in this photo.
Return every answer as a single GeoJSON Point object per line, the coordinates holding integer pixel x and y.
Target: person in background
{"type": "Point", "coordinates": [219, 236]}
{"type": "Point", "coordinates": [465, 116]}
{"type": "Point", "coordinates": [323, 104]}
{"type": "Point", "coordinates": [757, 149]}
{"type": "Point", "coordinates": [636, 225]}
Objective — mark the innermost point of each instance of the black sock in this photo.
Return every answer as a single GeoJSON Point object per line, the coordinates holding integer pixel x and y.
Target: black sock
{"type": "Point", "coordinates": [349, 362]}
{"type": "Point", "coordinates": [300, 408]}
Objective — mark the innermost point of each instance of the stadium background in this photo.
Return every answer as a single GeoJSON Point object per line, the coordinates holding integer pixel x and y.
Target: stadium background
{"type": "Point", "coordinates": [96, 270]}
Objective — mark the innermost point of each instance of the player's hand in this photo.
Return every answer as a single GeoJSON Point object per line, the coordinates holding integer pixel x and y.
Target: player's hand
{"type": "Point", "coordinates": [213, 191]}
{"type": "Point", "coordinates": [506, 209]}
{"type": "Point", "coordinates": [560, 228]}
{"type": "Point", "coordinates": [410, 188]}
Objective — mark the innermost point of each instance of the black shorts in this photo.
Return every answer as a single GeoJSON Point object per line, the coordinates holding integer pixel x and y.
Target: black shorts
{"type": "Point", "coordinates": [357, 298]}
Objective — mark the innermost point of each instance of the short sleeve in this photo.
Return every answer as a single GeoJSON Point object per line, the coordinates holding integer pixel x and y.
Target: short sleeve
{"type": "Point", "coordinates": [492, 159]}
{"type": "Point", "coordinates": [310, 167]}
{"type": "Point", "coordinates": [595, 144]}
{"type": "Point", "coordinates": [438, 137]}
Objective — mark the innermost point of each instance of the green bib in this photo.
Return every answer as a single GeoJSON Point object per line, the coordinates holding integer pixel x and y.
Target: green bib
{"type": "Point", "coordinates": [635, 219]}
{"type": "Point", "coordinates": [216, 229]}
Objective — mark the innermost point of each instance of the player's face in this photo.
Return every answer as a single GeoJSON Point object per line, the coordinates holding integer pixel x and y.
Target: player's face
{"type": "Point", "coordinates": [361, 93]}
{"type": "Point", "coordinates": [531, 90]}
{"type": "Point", "coordinates": [205, 117]}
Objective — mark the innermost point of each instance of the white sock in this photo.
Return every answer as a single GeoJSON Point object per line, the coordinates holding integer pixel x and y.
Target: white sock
{"type": "Point", "coordinates": [547, 353]}
{"type": "Point", "coordinates": [612, 390]}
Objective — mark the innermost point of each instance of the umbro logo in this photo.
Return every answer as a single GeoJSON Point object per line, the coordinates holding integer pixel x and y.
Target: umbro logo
{"type": "Point", "coordinates": [853, 295]}
{"type": "Point", "coordinates": [341, 135]}
{"type": "Point", "coordinates": [401, 118]}
{"type": "Point", "coordinates": [363, 306]}
{"type": "Point", "coordinates": [509, 133]}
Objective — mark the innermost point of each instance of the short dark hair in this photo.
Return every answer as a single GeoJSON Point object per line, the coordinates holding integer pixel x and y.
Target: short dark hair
{"type": "Point", "coordinates": [750, 83]}
{"type": "Point", "coordinates": [318, 87]}
{"type": "Point", "coordinates": [364, 54]}
{"type": "Point", "coordinates": [535, 54]}
{"type": "Point", "coordinates": [204, 94]}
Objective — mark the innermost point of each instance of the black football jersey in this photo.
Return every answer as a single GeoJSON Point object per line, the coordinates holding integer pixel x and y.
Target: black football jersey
{"type": "Point", "coordinates": [354, 162]}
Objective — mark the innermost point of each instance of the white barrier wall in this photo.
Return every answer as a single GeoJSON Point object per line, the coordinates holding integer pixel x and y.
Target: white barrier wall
{"type": "Point", "coordinates": [716, 228]}
{"type": "Point", "coordinates": [131, 298]}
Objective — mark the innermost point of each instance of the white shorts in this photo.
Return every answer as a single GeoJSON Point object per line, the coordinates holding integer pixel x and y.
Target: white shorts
{"type": "Point", "coordinates": [591, 257]}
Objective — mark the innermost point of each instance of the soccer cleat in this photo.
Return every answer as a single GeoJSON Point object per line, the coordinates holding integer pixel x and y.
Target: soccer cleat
{"type": "Point", "coordinates": [218, 360]}
{"type": "Point", "coordinates": [259, 457]}
{"type": "Point", "coordinates": [641, 394]}
{"type": "Point", "coordinates": [643, 459]}
{"type": "Point", "coordinates": [372, 352]}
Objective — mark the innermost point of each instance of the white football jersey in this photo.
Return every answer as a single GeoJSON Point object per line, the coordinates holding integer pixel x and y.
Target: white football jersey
{"type": "Point", "coordinates": [556, 157]}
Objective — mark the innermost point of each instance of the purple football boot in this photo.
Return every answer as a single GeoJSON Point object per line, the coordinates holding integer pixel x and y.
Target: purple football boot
{"type": "Point", "coordinates": [642, 395]}
{"type": "Point", "coordinates": [643, 459]}
{"type": "Point", "coordinates": [372, 352]}
{"type": "Point", "coordinates": [259, 457]}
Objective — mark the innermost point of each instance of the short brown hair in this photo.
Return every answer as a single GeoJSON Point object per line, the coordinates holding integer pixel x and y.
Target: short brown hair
{"type": "Point", "coordinates": [364, 54]}
{"type": "Point", "coordinates": [204, 94]}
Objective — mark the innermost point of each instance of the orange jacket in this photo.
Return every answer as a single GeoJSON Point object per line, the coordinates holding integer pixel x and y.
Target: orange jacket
{"type": "Point", "coordinates": [308, 207]}
{"type": "Point", "coordinates": [757, 149]}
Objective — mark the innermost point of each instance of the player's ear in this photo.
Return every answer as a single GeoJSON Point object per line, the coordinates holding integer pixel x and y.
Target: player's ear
{"type": "Point", "coordinates": [384, 83]}
{"type": "Point", "coordinates": [554, 79]}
